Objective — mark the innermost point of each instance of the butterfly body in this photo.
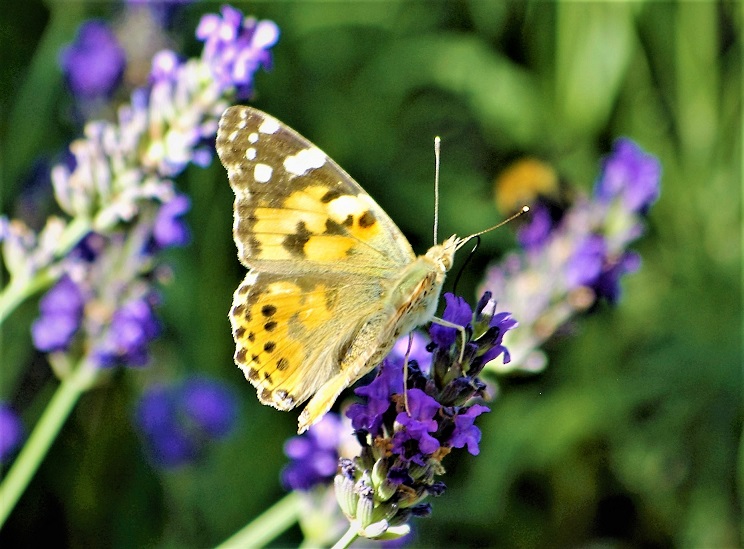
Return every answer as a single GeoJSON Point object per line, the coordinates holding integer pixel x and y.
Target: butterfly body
{"type": "Point", "coordinates": [332, 281]}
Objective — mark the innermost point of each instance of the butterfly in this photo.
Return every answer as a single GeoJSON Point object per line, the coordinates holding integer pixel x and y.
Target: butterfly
{"type": "Point", "coordinates": [332, 281]}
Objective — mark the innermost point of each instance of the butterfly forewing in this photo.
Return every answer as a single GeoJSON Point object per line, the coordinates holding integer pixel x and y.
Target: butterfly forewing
{"type": "Point", "coordinates": [295, 209]}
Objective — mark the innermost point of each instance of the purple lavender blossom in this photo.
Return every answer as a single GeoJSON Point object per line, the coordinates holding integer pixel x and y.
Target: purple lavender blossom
{"type": "Point", "coordinates": [236, 47]}
{"type": "Point", "coordinates": [61, 314]}
{"type": "Point", "coordinates": [499, 324]}
{"type": "Point", "coordinates": [630, 174]}
{"type": "Point", "coordinates": [314, 455]}
{"type": "Point", "coordinates": [179, 422]}
{"type": "Point", "coordinates": [368, 416]}
{"type": "Point", "coordinates": [413, 441]}
{"type": "Point", "coordinates": [165, 66]}
{"type": "Point", "coordinates": [94, 63]}
{"type": "Point", "coordinates": [11, 432]}
{"type": "Point", "coordinates": [166, 443]}
{"type": "Point", "coordinates": [534, 234]}
{"type": "Point", "coordinates": [133, 327]}
{"type": "Point", "coordinates": [170, 230]}
{"type": "Point", "coordinates": [466, 433]}
{"type": "Point", "coordinates": [456, 311]}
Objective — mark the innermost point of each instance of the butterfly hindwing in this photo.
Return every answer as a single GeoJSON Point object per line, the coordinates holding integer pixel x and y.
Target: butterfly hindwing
{"type": "Point", "coordinates": [291, 334]}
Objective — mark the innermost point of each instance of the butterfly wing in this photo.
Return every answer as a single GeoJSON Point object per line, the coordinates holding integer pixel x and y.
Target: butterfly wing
{"type": "Point", "coordinates": [292, 333]}
{"type": "Point", "coordinates": [321, 254]}
{"type": "Point", "coordinates": [296, 211]}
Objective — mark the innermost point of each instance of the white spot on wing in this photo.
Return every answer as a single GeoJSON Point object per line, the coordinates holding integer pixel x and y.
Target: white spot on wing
{"type": "Point", "coordinates": [269, 125]}
{"type": "Point", "coordinates": [253, 137]}
{"type": "Point", "coordinates": [304, 161]}
{"type": "Point", "coordinates": [250, 154]}
{"type": "Point", "coordinates": [344, 206]}
{"type": "Point", "coordinates": [262, 173]}
{"type": "Point", "coordinates": [232, 136]}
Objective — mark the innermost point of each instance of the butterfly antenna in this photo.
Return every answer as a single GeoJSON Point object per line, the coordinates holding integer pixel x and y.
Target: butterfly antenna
{"type": "Point", "coordinates": [437, 147]}
{"type": "Point", "coordinates": [464, 241]}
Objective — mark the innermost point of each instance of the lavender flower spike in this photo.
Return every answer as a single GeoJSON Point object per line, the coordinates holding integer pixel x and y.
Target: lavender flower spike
{"type": "Point", "coordinates": [123, 210]}
{"type": "Point", "coordinates": [121, 165]}
{"type": "Point", "coordinates": [405, 435]}
{"type": "Point", "coordinates": [566, 268]}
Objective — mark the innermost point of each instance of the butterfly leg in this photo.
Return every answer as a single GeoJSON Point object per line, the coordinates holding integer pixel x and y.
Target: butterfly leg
{"type": "Point", "coordinates": [405, 373]}
{"type": "Point", "coordinates": [461, 329]}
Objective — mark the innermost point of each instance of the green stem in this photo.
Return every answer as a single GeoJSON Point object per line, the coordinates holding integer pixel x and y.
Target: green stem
{"type": "Point", "coordinates": [21, 288]}
{"type": "Point", "coordinates": [43, 435]}
{"type": "Point", "coordinates": [348, 538]}
{"type": "Point", "coordinates": [268, 525]}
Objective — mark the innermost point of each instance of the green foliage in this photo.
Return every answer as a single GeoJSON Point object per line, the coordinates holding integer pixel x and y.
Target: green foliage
{"type": "Point", "coordinates": [631, 435]}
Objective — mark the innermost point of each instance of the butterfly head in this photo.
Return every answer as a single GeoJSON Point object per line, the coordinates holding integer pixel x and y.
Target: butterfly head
{"type": "Point", "coordinates": [443, 255]}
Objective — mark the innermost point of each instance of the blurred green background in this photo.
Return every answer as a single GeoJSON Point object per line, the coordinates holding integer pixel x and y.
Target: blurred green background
{"type": "Point", "coordinates": [631, 436]}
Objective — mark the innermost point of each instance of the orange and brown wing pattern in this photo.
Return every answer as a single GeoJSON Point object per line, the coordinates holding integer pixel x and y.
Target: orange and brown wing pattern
{"type": "Point", "coordinates": [295, 209]}
{"type": "Point", "coordinates": [291, 333]}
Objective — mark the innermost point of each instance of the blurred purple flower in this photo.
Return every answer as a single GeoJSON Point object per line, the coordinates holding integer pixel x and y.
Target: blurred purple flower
{"type": "Point", "coordinates": [165, 66]}
{"type": "Point", "coordinates": [157, 417]}
{"type": "Point", "coordinates": [132, 328]}
{"type": "Point", "coordinates": [585, 265]}
{"type": "Point", "coordinates": [534, 234]}
{"type": "Point", "coordinates": [179, 422]}
{"type": "Point", "coordinates": [61, 311]}
{"type": "Point", "coordinates": [236, 47]}
{"type": "Point", "coordinates": [210, 406]}
{"type": "Point", "coordinates": [163, 11]}
{"type": "Point", "coordinates": [607, 284]}
{"type": "Point", "coordinates": [170, 230]}
{"type": "Point", "coordinates": [314, 455]}
{"type": "Point", "coordinates": [630, 173]}
{"type": "Point", "coordinates": [94, 63]}
{"type": "Point", "coordinates": [11, 432]}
